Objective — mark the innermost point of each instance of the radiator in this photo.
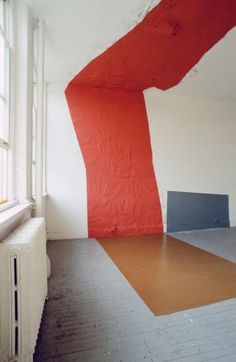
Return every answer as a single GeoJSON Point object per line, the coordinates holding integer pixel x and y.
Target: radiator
{"type": "Point", "coordinates": [23, 290]}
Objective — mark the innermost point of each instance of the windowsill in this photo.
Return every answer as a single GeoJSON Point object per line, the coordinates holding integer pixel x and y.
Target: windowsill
{"type": "Point", "coordinates": [10, 215]}
{"type": "Point", "coordinates": [7, 205]}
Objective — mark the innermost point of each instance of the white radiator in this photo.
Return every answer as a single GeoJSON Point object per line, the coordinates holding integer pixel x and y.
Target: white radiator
{"type": "Point", "coordinates": [23, 289]}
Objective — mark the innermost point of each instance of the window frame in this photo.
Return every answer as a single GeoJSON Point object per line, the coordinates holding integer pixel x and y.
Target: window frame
{"type": "Point", "coordinates": [6, 32]}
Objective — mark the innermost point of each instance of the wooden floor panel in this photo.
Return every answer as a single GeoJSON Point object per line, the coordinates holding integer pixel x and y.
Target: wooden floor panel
{"type": "Point", "coordinates": [171, 275]}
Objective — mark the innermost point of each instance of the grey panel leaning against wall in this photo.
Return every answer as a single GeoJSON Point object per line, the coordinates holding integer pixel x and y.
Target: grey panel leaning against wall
{"type": "Point", "coordinates": [192, 211]}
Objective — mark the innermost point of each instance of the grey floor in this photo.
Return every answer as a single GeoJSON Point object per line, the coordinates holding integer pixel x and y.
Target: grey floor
{"type": "Point", "coordinates": [93, 314]}
{"type": "Point", "coordinates": [221, 242]}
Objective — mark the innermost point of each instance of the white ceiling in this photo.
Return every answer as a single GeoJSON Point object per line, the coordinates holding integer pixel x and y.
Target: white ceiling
{"type": "Point", "coordinates": [77, 31]}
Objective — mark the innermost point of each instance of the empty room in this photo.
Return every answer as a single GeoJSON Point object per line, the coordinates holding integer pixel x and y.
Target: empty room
{"type": "Point", "coordinates": [117, 180]}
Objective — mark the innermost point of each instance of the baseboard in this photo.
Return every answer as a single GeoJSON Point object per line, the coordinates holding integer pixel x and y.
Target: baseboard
{"type": "Point", "coordinates": [65, 235]}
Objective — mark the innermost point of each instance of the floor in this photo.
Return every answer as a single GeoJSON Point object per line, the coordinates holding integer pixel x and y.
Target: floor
{"type": "Point", "coordinates": [171, 275]}
{"type": "Point", "coordinates": [93, 314]}
{"type": "Point", "coordinates": [221, 242]}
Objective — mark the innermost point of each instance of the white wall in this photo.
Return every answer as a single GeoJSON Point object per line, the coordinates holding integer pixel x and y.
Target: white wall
{"type": "Point", "coordinates": [193, 142]}
{"type": "Point", "coordinates": [66, 210]}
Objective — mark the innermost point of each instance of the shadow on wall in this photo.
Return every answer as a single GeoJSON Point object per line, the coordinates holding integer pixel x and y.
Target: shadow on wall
{"type": "Point", "coordinates": [62, 222]}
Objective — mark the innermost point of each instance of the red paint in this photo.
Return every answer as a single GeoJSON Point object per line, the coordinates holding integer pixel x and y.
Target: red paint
{"type": "Point", "coordinates": [109, 116]}
{"type": "Point", "coordinates": [114, 139]}
{"type": "Point", "coordinates": [160, 50]}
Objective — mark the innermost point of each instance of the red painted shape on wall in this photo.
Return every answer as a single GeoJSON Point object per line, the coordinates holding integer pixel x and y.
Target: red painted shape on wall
{"type": "Point", "coordinates": [161, 49]}
{"type": "Point", "coordinates": [108, 109]}
{"type": "Point", "coordinates": [112, 129]}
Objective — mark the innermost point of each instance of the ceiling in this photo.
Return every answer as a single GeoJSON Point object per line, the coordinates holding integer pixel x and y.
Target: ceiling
{"type": "Point", "coordinates": [77, 31]}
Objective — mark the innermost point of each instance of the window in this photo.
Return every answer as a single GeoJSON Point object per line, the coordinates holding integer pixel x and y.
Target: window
{"type": "Point", "coordinates": [34, 119]}
{"type": "Point", "coordinates": [4, 98]}
{"type": "Point", "coordinates": [35, 107]}
{"type": "Point", "coordinates": [38, 118]}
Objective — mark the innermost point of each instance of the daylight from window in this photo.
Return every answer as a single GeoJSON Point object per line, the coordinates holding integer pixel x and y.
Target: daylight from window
{"type": "Point", "coordinates": [4, 102]}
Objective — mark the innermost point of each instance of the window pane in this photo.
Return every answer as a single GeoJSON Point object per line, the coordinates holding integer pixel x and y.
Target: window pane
{"type": "Point", "coordinates": [3, 175]}
{"type": "Point", "coordinates": [4, 102]}
{"type": "Point", "coordinates": [2, 65]}
{"type": "Point", "coordinates": [33, 149]}
{"type": "Point", "coordinates": [1, 14]}
{"type": "Point", "coordinates": [1, 118]}
{"type": "Point", "coordinates": [3, 121]}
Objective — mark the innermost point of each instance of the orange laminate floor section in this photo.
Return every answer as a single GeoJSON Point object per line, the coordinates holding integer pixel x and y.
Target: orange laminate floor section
{"type": "Point", "coordinates": [170, 275]}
